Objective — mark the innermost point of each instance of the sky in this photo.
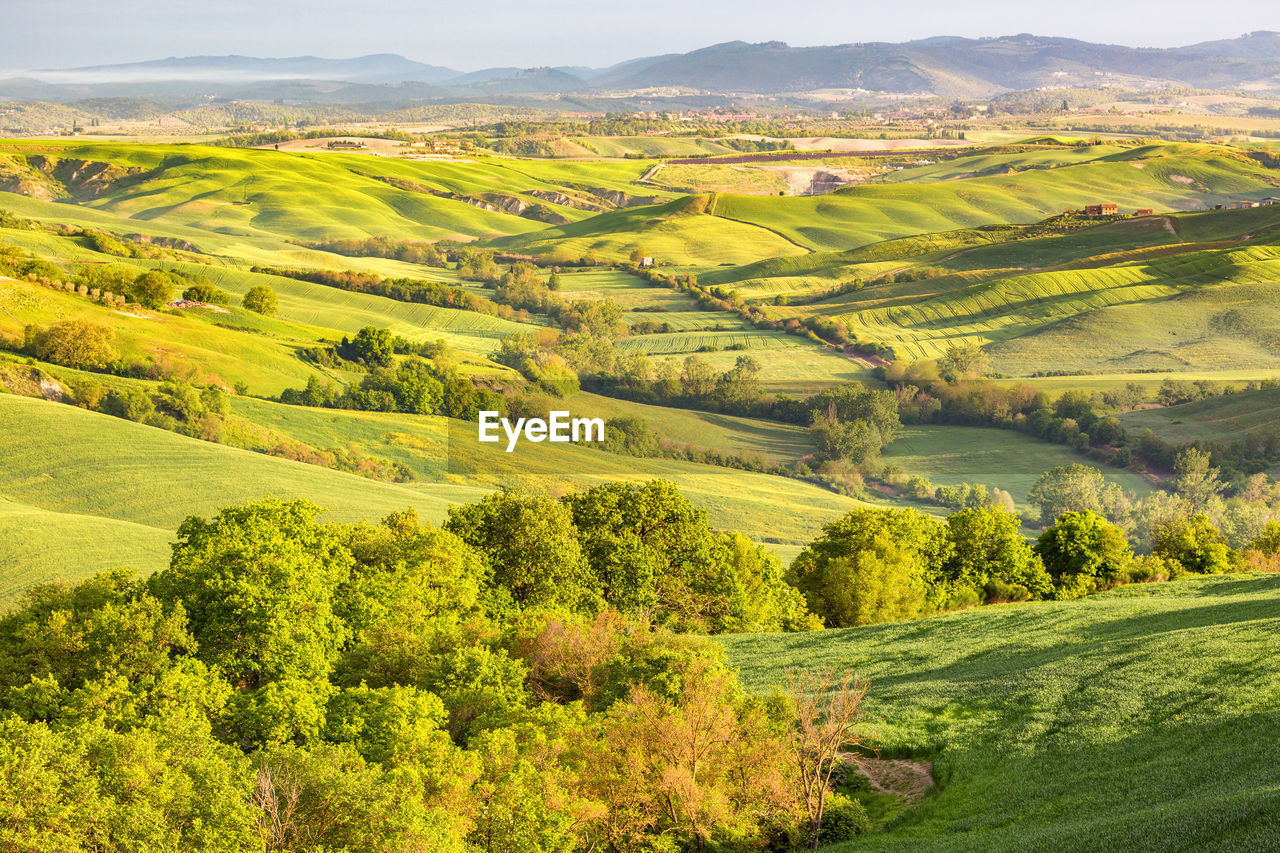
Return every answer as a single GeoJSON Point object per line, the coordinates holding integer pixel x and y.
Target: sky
{"type": "Point", "coordinates": [472, 34]}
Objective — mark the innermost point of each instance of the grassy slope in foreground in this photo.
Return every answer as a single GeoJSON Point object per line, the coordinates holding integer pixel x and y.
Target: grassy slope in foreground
{"type": "Point", "coordinates": [1139, 719]}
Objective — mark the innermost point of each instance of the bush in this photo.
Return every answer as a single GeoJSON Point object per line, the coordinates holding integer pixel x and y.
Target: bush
{"type": "Point", "coordinates": [207, 293]}
{"type": "Point", "coordinates": [72, 343]}
{"type": "Point", "coordinates": [261, 300]}
{"type": "Point", "coordinates": [843, 819]}
{"type": "Point", "coordinates": [870, 566]}
{"type": "Point", "coordinates": [1194, 544]}
{"type": "Point", "coordinates": [152, 289]}
{"type": "Point", "coordinates": [128, 403]}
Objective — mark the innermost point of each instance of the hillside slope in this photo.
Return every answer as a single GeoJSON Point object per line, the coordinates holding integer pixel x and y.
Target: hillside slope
{"type": "Point", "coordinates": [1139, 719]}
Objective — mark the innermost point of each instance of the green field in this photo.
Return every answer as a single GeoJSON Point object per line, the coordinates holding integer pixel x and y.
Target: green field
{"type": "Point", "coordinates": [1227, 418]}
{"type": "Point", "coordinates": [951, 455]}
{"type": "Point", "coordinates": [115, 491]}
{"type": "Point", "coordinates": [1131, 720]}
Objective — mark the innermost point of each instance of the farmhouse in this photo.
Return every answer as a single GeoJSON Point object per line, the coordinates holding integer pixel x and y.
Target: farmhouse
{"type": "Point", "coordinates": [1241, 205]}
{"type": "Point", "coordinates": [1104, 209]}
{"type": "Point", "coordinates": [1270, 200]}
{"type": "Point", "coordinates": [1143, 211]}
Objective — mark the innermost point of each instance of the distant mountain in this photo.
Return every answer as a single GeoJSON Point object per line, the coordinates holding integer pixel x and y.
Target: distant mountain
{"type": "Point", "coordinates": [945, 66]}
{"type": "Point", "coordinates": [1261, 45]}
{"type": "Point", "coordinates": [376, 68]}
{"type": "Point", "coordinates": [953, 66]}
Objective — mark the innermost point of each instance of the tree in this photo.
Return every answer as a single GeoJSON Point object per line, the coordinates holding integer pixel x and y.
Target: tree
{"type": "Point", "coordinates": [870, 566]}
{"type": "Point", "coordinates": [531, 547]}
{"type": "Point", "coordinates": [202, 291]}
{"type": "Point", "coordinates": [152, 289]}
{"type": "Point", "coordinates": [1268, 541]}
{"type": "Point", "coordinates": [1193, 543]}
{"type": "Point", "coordinates": [1080, 551]}
{"type": "Point", "coordinates": [963, 360]}
{"type": "Point", "coordinates": [855, 441]}
{"type": "Point", "coordinates": [987, 546]}
{"type": "Point", "coordinates": [73, 343]}
{"type": "Point", "coordinates": [1194, 479]}
{"type": "Point", "coordinates": [853, 402]}
{"type": "Point", "coordinates": [261, 299]}
{"type": "Point", "coordinates": [371, 345]}
{"type": "Point", "coordinates": [697, 379]}
{"type": "Point", "coordinates": [258, 583]}
{"type": "Point", "coordinates": [828, 722]}
{"type": "Point", "coordinates": [1073, 488]}
{"type": "Point", "coordinates": [653, 551]}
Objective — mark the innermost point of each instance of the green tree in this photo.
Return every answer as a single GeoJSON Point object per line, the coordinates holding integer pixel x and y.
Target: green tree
{"type": "Point", "coordinates": [1195, 479]}
{"type": "Point", "coordinates": [1073, 488]}
{"type": "Point", "coordinates": [652, 550]}
{"type": "Point", "coordinates": [257, 583]}
{"type": "Point", "coordinates": [152, 289]}
{"type": "Point", "coordinates": [371, 346]}
{"type": "Point", "coordinates": [329, 798]}
{"type": "Point", "coordinates": [963, 360]}
{"type": "Point", "coordinates": [1193, 543]}
{"type": "Point", "coordinates": [987, 546]}
{"type": "Point", "coordinates": [854, 441]}
{"type": "Point", "coordinates": [80, 344]}
{"type": "Point", "coordinates": [871, 566]}
{"type": "Point", "coordinates": [261, 299]}
{"type": "Point", "coordinates": [203, 291]}
{"type": "Point", "coordinates": [530, 545]}
{"type": "Point", "coordinates": [1080, 551]}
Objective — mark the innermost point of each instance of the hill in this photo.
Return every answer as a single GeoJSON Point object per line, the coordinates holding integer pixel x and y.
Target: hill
{"type": "Point", "coordinates": [1129, 720]}
{"type": "Point", "coordinates": [1231, 417]}
{"type": "Point", "coordinates": [949, 66]}
{"type": "Point", "coordinates": [985, 188]}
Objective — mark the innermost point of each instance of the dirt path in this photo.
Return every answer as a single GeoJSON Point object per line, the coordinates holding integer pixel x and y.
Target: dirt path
{"type": "Point", "coordinates": [900, 777]}
{"type": "Point", "coordinates": [871, 361]}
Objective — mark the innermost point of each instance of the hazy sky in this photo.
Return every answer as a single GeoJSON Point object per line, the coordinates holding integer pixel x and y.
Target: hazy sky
{"type": "Point", "coordinates": [472, 34]}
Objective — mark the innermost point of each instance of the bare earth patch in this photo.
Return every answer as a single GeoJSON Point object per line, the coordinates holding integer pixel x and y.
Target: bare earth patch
{"type": "Point", "coordinates": [899, 777]}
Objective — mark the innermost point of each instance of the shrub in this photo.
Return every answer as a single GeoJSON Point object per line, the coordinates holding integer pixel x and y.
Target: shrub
{"type": "Point", "coordinates": [72, 343]}
{"type": "Point", "coordinates": [870, 566]}
{"type": "Point", "coordinates": [128, 403]}
{"type": "Point", "coordinates": [207, 293]}
{"type": "Point", "coordinates": [843, 819]}
{"type": "Point", "coordinates": [152, 289]}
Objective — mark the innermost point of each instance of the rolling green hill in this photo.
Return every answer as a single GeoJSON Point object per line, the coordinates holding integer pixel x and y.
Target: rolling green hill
{"type": "Point", "coordinates": [981, 189]}
{"type": "Point", "coordinates": [952, 455]}
{"type": "Point", "coordinates": [1130, 720]}
{"type": "Point", "coordinates": [1227, 418]}
{"type": "Point", "coordinates": [115, 491]}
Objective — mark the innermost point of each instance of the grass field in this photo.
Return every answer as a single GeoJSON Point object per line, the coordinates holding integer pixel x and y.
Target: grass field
{"type": "Point", "coordinates": [1226, 418]}
{"type": "Point", "coordinates": [138, 483]}
{"type": "Point", "coordinates": [1131, 720]}
{"type": "Point", "coordinates": [787, 370]}
{"type": "Point", "coordinates": [950, 455]}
